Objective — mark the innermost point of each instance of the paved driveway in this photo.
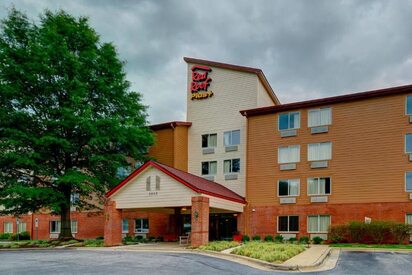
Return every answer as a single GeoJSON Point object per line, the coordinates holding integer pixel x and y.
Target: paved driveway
{"type": "Point", "coordinates": [116, 262]}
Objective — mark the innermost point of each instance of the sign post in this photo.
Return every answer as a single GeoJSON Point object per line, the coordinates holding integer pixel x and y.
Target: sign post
{"type": "Point", "coordinates": [17, 224]}
{"type": "Point", "coordinates": [36, 225]}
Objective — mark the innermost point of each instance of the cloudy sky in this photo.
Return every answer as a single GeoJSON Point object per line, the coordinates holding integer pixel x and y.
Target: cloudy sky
{"type": "Point", "coordinates": [307, 49]}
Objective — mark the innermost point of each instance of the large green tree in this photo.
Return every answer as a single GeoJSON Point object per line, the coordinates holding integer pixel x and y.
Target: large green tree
{"type": "Point", "coordinates": [68, 120]}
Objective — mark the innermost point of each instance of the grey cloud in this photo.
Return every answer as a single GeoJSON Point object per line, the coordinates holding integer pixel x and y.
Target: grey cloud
{"type": "Point", "coordinates": [307, 49]}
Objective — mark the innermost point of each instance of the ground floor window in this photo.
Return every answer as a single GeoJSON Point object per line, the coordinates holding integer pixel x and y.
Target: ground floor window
{"type": "Point", "coordinates": [55, 226]}
{"type": "Point", "coordinates": [318, 224]}
{"type": "Point", "coordinates": [288, 224]}
{"type": "Point", "coordinates": [125, 226]}
{"type": "Point", "coordinates": [8, 227]}
{"type": "Point", "coordinates": [74, 226]}
{"type": "Point", "coordinates": [408, 218]}
{"type": "Point", "coordinates": [142, 226]}
{"type": "Point", "coordinates": [22, 227]}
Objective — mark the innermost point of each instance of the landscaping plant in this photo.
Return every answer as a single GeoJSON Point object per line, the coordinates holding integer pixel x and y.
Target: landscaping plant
{"type": "Point", "coordinates": [269, 238]}
{"type": "Point", "coordinates": [256, 238]}
{"type": "Point", "coordinates": [278, 238]}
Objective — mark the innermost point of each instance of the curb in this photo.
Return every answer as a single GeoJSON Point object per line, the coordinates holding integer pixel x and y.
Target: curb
{"type": "Point", "coordinates": [319, 261]}
{"type": "Point", "coordinates": [373, 250]}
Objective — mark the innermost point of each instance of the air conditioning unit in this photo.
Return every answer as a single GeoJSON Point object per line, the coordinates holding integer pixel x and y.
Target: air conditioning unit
{"type": "Point", "coordinates": [410, 157]}
{"type": "Point", "coordinates": [410, 196]}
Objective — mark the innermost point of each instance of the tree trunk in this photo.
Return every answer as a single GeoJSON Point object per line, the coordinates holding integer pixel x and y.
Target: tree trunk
{"type": "Point", "coordinates": [66, 229]}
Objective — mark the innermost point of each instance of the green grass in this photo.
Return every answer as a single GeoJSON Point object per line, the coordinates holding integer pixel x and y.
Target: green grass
{"type": "Point", "coordinates": [383, 246]}
{"type": "Point", "coordinates": [268, 251]}
{"type": "Point", "coordinates": [52, 243]}
{"type": "Point", "coordinates": [219, 245]}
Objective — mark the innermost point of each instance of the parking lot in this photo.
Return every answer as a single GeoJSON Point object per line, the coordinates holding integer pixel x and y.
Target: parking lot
{"type": "Point", "coordinates": [122, 262]}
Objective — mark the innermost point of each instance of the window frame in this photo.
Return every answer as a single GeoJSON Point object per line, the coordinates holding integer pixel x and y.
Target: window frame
{"type": "Point", "coordinates": [318, 110]}
{"type": "Point", "coordinates": [19, 225]}
{"type": "Point", "coordinates": [208, 141]}
{"type": "Point", "coordinates": [231, 133]}
{"type": "Point", "coordinates": [406, 151]}
{"type": "Point", "coordinates": [330, 186]}
{"type": "Point", "coordinates": [231, 166]}
{"type": "Point", "coordinates": [288, 232]}
{"type": "Point", "coordinates": [406, 189]}
{"type": "Point", "coordinates": [124, 231]}
{"type": "Point", "coordinates": [77, 226]}
{"type": "Point", "coordinates": [59, 228]}
{"type": "Point", "coordinates": [201, 168]}
{"type": "Point", "coordinates": [318, 216]}
{"type": "Point", "coordinates": [142, 230]}
{"type": "Point", "coordinates": [406, 105]}
{"type": "Point", "coordinates": [287, 196]}
{"type": "Point", "coordinates": [319, 143]}
{"type": "Point", "coordinates": [4, 227]}
{"type": "Point", "coordinates": [288, 113]}
{"type": "Point", "coordinates": [289, 146]}
{"type": "Point", "coordinates": [406, 218]}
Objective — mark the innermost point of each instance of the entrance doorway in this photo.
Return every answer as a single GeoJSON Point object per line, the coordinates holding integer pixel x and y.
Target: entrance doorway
{"type": "Point", "coordinates": [222, 227]}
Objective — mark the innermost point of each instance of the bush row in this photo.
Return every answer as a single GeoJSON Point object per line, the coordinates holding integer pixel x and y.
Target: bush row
{"type": "Point", "coordinates": [376, 232]}
{"type": "Point", "coordinates": [23, 236]}
{"type": "Point", "coordinates": [277, 239]}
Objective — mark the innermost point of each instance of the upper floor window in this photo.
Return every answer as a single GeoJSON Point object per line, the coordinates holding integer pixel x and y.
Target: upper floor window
{"type": "Point", "coordinates": [319, 186]}
{"type": "Point", "coordinates": [288, 121]}
{"type": "Point", "coordinates": [209, 141]}
{"type": "Point", "coordinates": [319, 117]}
{"type": "Point", "coordinates": [74, 198]}
{"type": "Point", "coordinates": [288, 187]}
{"type": "Point", "coordinates": [408, 143]}
{"type": "Point", "coordinates": [319, 151]}
{"type": "Point", "coordinates": [289, 154]}
{"type": "Point", "coordinates": [231, 166]}
{"type": "Point", "coordinates": [232, 138]}
{"type": "Point", "coordinates": [209, 167]}
{"type": "Point", "coordinates": [142, 226]}
{"type": "Point", "coordinates": [318, 223]}
{"type": "Point", "coordinates": [408, 181]}
{"type": "Point", "coordinates": [288, 224]}
{"type": "Point", "coordinates": [409, 105]}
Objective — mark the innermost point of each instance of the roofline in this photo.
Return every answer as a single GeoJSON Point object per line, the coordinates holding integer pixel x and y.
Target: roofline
{"type": "Point", "coordinates": [171, 124]}
{"type": "Point", "coordinates": [328, 100]}
{"type": "Point", "coordinates": [256, 71]}
{"type": "Point", "coordinates": [154, 164]}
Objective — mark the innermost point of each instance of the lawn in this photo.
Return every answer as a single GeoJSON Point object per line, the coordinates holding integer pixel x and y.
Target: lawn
{"type": "Point", "coordinates": [219, 245]}
{"type": "Point", "coordinates": [269, 251]}
{"type": "Point", "coordinates": [383, 246]}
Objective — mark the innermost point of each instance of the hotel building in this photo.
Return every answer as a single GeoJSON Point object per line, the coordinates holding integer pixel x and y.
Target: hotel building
{"type": "Point", "coordinates": [244, 163]}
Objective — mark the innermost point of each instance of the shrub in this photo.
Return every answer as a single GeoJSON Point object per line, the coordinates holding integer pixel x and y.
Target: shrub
{"type": "Point", "coordinates": [377, 231]}
{"type": "Point", "coordinates": [4, 236]}
{"type": "Point", "coordinates": [356, 231]}
{"type": "Point", "coordinates": [23, 236]}
{"type": "Point", "coordinates": [401, 232]}
{"type": "Point", "coordinates": [269, 238]}
{"type": "Point", "coordinates": [293, 240]}
{"type": "Point", "coordinates": [138, 238]}
{"type": "Point", "coordinates": [127, 239]}
{"type": "Point", "coordinates": [100, 238]}
{"type": "Point", "coordinates": [151, 239]}
{"type": "Point", "coordinates": [304, 240]}
{"type": "Point", "coordinates": [338, 233]}
{"type": "Point", "coordinates": [278, 238]}
{"type": "Point", "coordinates": [219, 245]}
{"type": "Point", "coordinates": [256, 238]}
{"type": "Point", "coordinates": [245, 238]}
{"type": "Point", "coordinates": [159, 239]}
{"type": "Point", "coordinates": [317, 240]}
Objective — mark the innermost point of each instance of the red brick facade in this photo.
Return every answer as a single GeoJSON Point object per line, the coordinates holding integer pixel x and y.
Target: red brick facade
{"type": "Point", "coordinates": [200, 221]}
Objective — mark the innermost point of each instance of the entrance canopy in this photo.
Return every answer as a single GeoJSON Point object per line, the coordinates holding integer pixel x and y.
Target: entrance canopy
{"type": "Point", "coordinates": [155, 185]}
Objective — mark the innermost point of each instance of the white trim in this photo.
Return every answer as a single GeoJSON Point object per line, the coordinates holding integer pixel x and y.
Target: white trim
{"type": "Point", "coordinates": [406, 152]}
{"type": "Point", "coordinates": [143, 231]}
{"type": "Point", "coordinates": [286, 196]}
{"type": "Point", "coordinates": [317, 232]}
{"type": "Point", "coordinates": [406, 190]}
{"type": "Point", "coordinates": [288, 232]}
{"type": "Point", "coordinates": [318, 109]}
{"type": "Point", "coordinates": [406, 105]}
{"type": "Point", "coordinates": [300, 118]}
{"type": "Point", "coordinates": [307, 186]}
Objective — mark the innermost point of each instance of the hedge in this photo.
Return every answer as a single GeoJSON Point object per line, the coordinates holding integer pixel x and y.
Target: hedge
{"type": "Point", "coordinates": [376, 232]}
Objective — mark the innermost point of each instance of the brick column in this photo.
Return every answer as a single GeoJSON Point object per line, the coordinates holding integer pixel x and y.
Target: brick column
{"type": "Point", "coordinates": [200, 221]}
{"type": "Point", "coordinates": [112, 224]}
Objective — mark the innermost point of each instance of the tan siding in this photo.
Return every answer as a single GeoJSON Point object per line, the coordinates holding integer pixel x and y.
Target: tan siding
{"type": "Point", "coordinates": [180, 148]}
{"type": "Point", "coordinates": [163, 149]}
{"type": "Point", "coordinates": [368, 160]}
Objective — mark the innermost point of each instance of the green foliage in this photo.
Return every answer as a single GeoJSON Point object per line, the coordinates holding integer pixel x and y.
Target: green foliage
{"type": "Point", "coordinates": [219, 245]}
{"type": "Point", "coordinates": [338, 233]}
{"type": "Point", "coordinates": [401, 232]}
{"type": "Point", "coordinates": [378, 230]}
{"type": "Point", "coordinates": [68, 120]}
{"type": "Point", "coordinates": [278, 238]}
{"type": "Point", "coordinates": [293, 240]}
{"type": "Point", "coordinates": [100, 238]}
{"type": "Point", "coordinates": [245, 238]}
{"type": "Point", "coordinates": [269, 251]}
{"type": "Point", "coordinates": [20, 236]}
{"type": "Point", "coordinates": [256, 238]}
{"type": "Point", "coordinates": [268, 238]}
{"type": "Point", "coordinates": [128, 238]}
{"type": "Point", "coordinates": [93, 243]}
{"type": "Point", "coordinates": [356, 231]}
{"type": "Point", "coordinates": [4, 236]}
{"type": "Point", "coordinates": [317, 240]}
{"type": "Point", "coordinates": [304, 240]}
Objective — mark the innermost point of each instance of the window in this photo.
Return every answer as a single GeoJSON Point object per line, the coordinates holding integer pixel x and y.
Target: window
{"type": "Point", "coordinates": [125, 226]}
{"type": "Point", "coordinates": [319, 117]}
{"type": "Point", "coordinates": [288, 187]}
{"type": "Point", "coordinates": [320, 151]}
{"type": "Point", "coordinates": [209, 167]}
{"type": "Point", "coordinates": [157, 183]}
{"type": "Point", "coordinates": [408, 181]}
{"type": "Point", "coordinates": [123, 172]}
{"type": "Point", "coordinates": [318, 224]}
{"type": "Point", "coordinates": [55, 226]}
{"type": "Point", "coordinates": [209, 141]}
{"type": "Point", "coordinates": [74, 226]}
{"type": "Point", "coordinates": [408, 143]}
{"type": "Point", "coordinates": [21, 227]}
{"type": "Point", "coordinates": [408, 219]}
{"type": "Point", "coordinates": [148, 183]}
{"type": "Point", "coordinates": [141, 226]}
{"type": "Point", "coordinates": [232, 138]}
{"type": "Point", "coordinates": [288, 224]}
{"type": "Point", "coordinates": [74, 198]}
{"type": "Point", "coordinates": [289, 121]}
{"type": "Point", "coordinates": [8, 227]}
{"type": "Point", "coordinates": [289, 154]}
{"type": "Point", "coordinates": [409, 105]}
{"type": "Point", "coordinates": [319, 186]}
{"type": "Point", "coordinates": [231, 166]}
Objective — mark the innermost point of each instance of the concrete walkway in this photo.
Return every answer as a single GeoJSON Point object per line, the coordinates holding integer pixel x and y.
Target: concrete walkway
{"type": "Point", "coordinates": [313, 256]}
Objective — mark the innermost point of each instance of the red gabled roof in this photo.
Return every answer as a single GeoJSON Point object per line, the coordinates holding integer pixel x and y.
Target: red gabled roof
{"type": "Point", "coordinates": [197, 184]}
{"type": "Point", "coordinates": [328, 100]}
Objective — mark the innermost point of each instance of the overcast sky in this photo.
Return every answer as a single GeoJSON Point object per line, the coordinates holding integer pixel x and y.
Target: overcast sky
{"type": "Point", "coordinates": [307, 49]}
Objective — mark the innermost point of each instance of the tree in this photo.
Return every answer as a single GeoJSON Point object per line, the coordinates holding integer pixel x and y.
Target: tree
{"type": "Point", "coordinates": [68, 119]}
